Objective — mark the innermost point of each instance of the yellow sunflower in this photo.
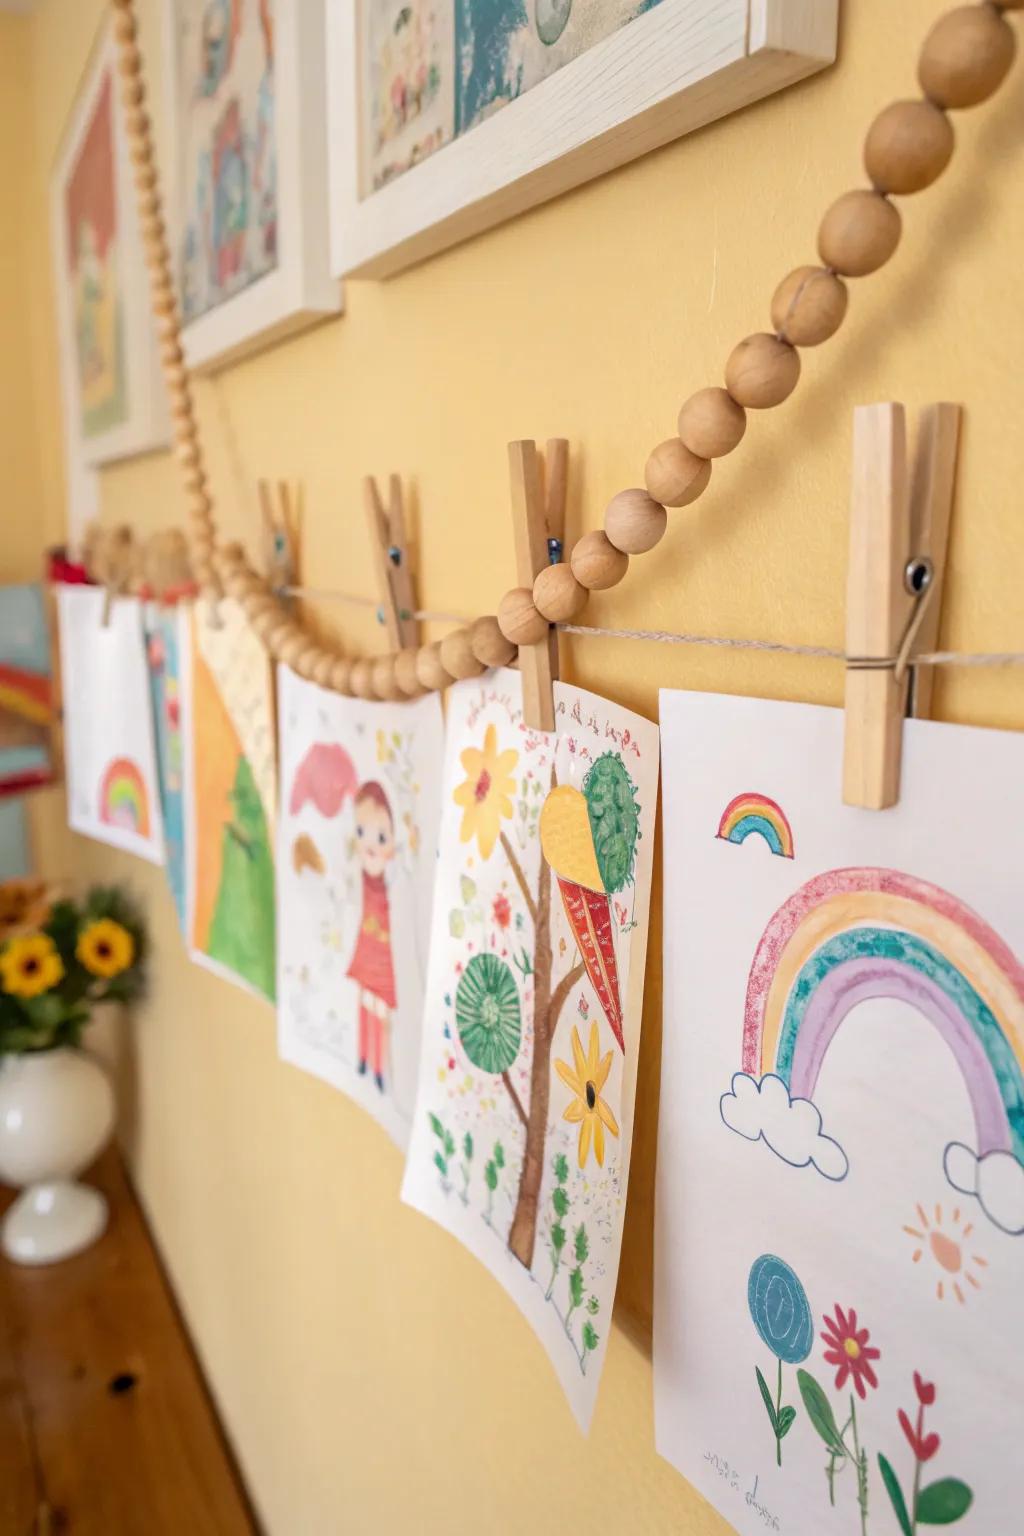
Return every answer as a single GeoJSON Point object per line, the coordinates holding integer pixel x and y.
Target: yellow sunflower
{"type": "Point", "coordinates": [105, 948]}
{"type": "Point", "coordinates": [588, 1109]}
{"type": "Point", "coordinates": [485, 795]}
{"type": "Point", "coordinates": [30, 965]}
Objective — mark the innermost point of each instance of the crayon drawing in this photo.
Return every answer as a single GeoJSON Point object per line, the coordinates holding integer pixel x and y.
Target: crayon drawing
{"type": "Point", "coordinates": [842, 1165]}
{"type": "Point", "coordinates": [228, 731]}
{"type": "Point", "coordinates": [523, 1122]}
{"type": "Point", "coordinates": [26, 690]}
{"type": "Point", "coordinates": [408, 87]}
{"type": "Point", "coordinates": [167, 652]}
{"type": "Point", "coordinates": [109, 749]}
{"type": "Point", "coordinates": [226, 152]}
{"type": "Point", "coordinates": [357, 842]}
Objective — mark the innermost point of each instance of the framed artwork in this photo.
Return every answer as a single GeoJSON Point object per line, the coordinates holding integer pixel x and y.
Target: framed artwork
{"type": "Point", "coordinates": [448, 116]}
{"type": "Point", "coordinates": [839, 1232]}
{"type": "Point", "coordinates": [248, 177]}
{"type": "Point", "coordinates": [113, 784]}
{"type": "Point", "coordinates": [112, 390]}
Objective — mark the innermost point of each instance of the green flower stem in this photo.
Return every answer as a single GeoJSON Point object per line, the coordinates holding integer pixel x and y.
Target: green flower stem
{"type": "Point", "coordinates": [778, 1410]}
{"type": "Point", "coordinates": [917, 1472]}
{"type": "Point", "coordinates": [861, 1466]}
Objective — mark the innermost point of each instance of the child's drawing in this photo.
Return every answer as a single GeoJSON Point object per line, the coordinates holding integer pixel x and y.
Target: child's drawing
{"type": "Point", "coordinates": [533, 1004]}
{"type": "Point", "coordinates": [167, 651]}
{"type": "Point", "coordinates": [228, 735]}
{"type": "Point", "coordinates": [110, 751]}
{"type": "Point", "coordinates": [357, 839]}
{"type": "Point", "coordinates": [844, 1066]}
{"type": "Point", "coordinates": [753, 815]}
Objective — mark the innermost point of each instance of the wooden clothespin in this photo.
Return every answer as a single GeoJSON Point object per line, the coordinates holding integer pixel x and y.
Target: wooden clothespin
{"type": "Point", "coordinates": [899, 531]}
{"type": "Point", "coordinates": [281, 510]}
{"type": "Point", "coordinates": [538, 521]}
{"type": "Point", "coordinates": [390, 545]}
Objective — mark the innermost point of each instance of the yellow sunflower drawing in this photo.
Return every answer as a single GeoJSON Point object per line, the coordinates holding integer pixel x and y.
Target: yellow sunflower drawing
{"type": "Point", "coordinates": [30, 965]}
{"type": "Point", "coordinates": [105, 948]}
{"type": "Point", "coordinates": [486, 793]}
{"type": "Point", "coordinates": [588, 1109]}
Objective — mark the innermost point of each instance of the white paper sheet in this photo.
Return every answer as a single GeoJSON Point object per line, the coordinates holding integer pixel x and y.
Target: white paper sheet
{"type": "Point", "coordinates": [840, 1185]}
{"type": "Point", "coordinates": [357, 845]}
{"type": "Point", "coordinates": [537, 1193]}
{"type": "Point", "coordinates": [113, 790]}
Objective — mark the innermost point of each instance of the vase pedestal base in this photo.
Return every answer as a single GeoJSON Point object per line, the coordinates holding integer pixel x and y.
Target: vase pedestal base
{"type": "Point", "coordinates": [52, 1221]}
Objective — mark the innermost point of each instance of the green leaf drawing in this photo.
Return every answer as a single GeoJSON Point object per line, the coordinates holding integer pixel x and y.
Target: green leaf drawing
{"type": "Point", "coordinates": [487, 1014]}
{"type": "Point", "coordinates": [467, 1146]}
{"type": "Point", "coordinates": [561, 1167]}
{"type": "Point", "coordinates": [576, 1287]}
{"type": "Point", "coordinates": [786, 1418]}
{"type": "Point", "coordinates": [943, 1502]}
{"type": "Point", "coordinates": [456, 923]}
{"type": "Point", "coordinates": [441, 1165]}
{"type": "Point", "coordinates": [468, 889]}
{"type": "Point", "coordinates": [491, 1176]}
{"type": "Point", "coordinates": [582, 1246]}
{"type": "Point", "coordinates": [499, 1155]}
{"type": "Point", "coordinates": [593, 1305]}
{"type": "Point", "coordinates": [560, 1201]}
{"type": "Point", "coordinates": [819, 1411]}
{"type": "Point", "coordinates": [766, 1398]}
{"type": "Point", "coordinates": [895, 1492]}
{"type": "Point", "coordinates": [614, 819]}
{"type": "Point", "coordinates": [449, 1144]}
{"type": "Point", "coordinates": [591, 1338]}
{"type": "Point", "coordinates": [558, 1237]}
{"type": "Point", "coordinates": [435, 1124]}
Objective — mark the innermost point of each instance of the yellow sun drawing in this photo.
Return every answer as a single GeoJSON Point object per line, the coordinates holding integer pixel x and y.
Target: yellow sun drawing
{"type": "Point", "coordinates": [944, 1239]}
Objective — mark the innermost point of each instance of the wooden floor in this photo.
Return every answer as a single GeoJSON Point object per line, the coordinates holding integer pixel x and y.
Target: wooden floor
{"type": "Point", "coordinates": [106, 1428]}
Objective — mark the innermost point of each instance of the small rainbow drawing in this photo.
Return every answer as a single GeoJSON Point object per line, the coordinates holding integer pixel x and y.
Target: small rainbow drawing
{"type": "Point", "coordinates": [750, 813]}
{"type": "Point", "coordinates": [123, 798]}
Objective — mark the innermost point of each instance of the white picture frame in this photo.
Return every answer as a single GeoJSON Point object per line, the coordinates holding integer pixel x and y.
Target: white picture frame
{"type": "Point", "coordinates": [113, 400]}
{"type": "Point", "coordinates": [680, 65]}
{"type": "Point", "coordinates": [298, 289]}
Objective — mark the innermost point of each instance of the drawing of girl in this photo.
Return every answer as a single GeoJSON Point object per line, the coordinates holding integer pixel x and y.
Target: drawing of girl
{"type": "Point", "coordinates": [371, 966]}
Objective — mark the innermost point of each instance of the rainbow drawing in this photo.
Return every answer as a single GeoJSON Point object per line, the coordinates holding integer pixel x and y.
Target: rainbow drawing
{"type": "Point", "coordinates": [750, 813]}
{"type": "Point", "coordinates": [851, 935]}
{"type": "Point", "coordinates": [123, 798]}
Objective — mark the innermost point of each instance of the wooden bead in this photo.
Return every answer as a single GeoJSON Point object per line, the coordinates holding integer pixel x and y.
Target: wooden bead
{"type": "Point", "coordinates": [675, 476]}
{"type": "Point", "coordinates": [382, 678]}
{"type": "Point", "coordinates": [291, 647]}
{"type": "Point", "coordinates": [361, 679]}
{"type": "Point", "coordinates": [341, 672]}
{"type": "Point", "coordinates": [263, 621]}
{"type": "Point", "coordinates": [130, 59]}
{"type": "Point", "coordinates": [557, 595]}
{"type": "Point", "coordinates": [596, 563]}
{"type": "Point", "coordinates": [808, 306]}
{"type": "Point", "coordinates": [634, 521]}
{"type": "Point", "coordinates": [457, 655]}
{"type": "Point", "coordinates": [519, 620]}
{"type": "Point", "coordinates": [965, 56]}
{"type": "Point", "coordinates": [762, 371]}
{"type": "Point", "coordinates": [124, 26]}
{"type": "Point", "coordinates": [489, 644]}
{"type": "Point", "coordinates": [429, 670]}
{"type": "Point", "coordinates": [133, 91]}
{"type": "Point", "coordinates": [711, 423]}
{"type": "Point", "coordinates": [405, 671]}
{"type": "Point", "coordinates": [859, 233]}
{"type": "Point", "coordinates": [306, 660]}
{"type": "Point", "coordinates": [322, 669]}
{"type": "Point", "coordinates": [908, 147]}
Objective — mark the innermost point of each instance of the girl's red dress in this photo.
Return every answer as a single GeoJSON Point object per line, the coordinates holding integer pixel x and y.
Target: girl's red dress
{"type": "Point", "coordinates": [371, 964]}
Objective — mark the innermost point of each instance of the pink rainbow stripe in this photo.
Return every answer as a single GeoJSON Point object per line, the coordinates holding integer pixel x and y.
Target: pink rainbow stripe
{"type": "Point", "coordinates": [841, 882]}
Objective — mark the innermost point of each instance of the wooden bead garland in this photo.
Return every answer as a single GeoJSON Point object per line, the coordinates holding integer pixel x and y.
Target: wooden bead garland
{"type": "Point", "coordinates": [596, 563]}
{"type": "Point", "coordinates": [859, 233]}
{"type": "Point", "coordinates": [557, 595]}
{"type": "Point", "coordinates": [635, 522]}
{"type": "Point", "coordinates": [965, 58]}
{"type": "Point", "coordinates": [809, 306]}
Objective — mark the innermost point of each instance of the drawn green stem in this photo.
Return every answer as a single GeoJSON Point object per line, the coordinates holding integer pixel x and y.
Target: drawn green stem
{"type": "Point", "coordinates": [778, 1411]}
{"type": "Point", "coordinates": [918, 1464]}
{"type": "Point", "coordinates": [860, 1463]}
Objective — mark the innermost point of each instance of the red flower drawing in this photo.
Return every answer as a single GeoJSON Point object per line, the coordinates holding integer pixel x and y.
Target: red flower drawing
{"type": "Point", "coordinates": [502, 910]}
{"type": "Point", "coordinates": [847, 1348]}
{"type": "Point", "coordinates": [925, 1391]}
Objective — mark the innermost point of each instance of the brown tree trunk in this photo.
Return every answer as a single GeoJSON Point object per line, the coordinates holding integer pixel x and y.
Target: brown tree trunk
{"type": "Point", "coordinates": [523, 1232]}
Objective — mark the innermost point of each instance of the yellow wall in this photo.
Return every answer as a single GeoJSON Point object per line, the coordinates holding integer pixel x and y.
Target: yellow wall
{"type": "Point", "coordinates": [371, 1376]}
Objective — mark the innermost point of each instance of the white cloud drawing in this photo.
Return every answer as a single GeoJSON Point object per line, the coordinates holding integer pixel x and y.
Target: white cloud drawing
{"type": "Point", "coordinates": [791, 1128]}
{"type": "Point", "coordinates": [996, 1181]}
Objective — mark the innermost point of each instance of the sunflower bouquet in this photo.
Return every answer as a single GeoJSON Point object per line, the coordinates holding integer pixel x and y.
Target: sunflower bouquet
{"type": "Point", "coordinates": [58, 959]}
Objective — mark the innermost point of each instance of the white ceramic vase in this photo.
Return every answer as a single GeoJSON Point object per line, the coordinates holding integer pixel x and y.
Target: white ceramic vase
{"type": "Point", "coordinates": [56, 1115]}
